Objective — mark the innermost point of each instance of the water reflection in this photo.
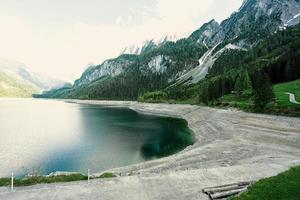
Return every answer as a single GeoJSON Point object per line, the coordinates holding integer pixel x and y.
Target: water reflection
{"type": "Point", "coordinates": [57, 136]}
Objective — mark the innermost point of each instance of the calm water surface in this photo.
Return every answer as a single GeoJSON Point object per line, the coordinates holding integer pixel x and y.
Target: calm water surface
{"type": "Point", "coordinates": [48, 136]}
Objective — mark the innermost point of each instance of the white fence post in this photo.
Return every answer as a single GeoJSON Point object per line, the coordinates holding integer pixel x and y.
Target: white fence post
{"type": "Point", "coordinates": [12, 182]}
{"type": "Point", "coordinates": [88, 176]}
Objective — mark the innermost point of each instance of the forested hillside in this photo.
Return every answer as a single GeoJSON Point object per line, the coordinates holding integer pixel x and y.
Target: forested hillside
{"type": "Point", "coordinates": [276, 59]}
{"type": "Point", "coordinates": [148, 71]}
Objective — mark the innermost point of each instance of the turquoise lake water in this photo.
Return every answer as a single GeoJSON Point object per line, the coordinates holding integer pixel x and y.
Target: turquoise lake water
{"type": "Point", "coordinates": [46, 136]}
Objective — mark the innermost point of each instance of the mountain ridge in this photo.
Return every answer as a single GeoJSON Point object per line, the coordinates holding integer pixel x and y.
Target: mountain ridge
{"type": "Point", "coordinates": [188, 60]}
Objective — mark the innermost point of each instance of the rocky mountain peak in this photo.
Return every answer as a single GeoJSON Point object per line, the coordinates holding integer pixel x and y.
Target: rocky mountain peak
{"type": "Point", "coordinates": [206, 32]}
{"type": "Point", "coordinates": [253, 17]}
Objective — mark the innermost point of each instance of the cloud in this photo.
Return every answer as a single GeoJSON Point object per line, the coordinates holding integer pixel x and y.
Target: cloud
{"type": "Point", "coordinates": [63, 49]}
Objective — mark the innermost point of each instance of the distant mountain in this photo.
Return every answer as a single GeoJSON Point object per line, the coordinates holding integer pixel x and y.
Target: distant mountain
{"type": "Point", "coordinates": [186, 61]}
{"type": "Point", "coordinates": [17, 81]}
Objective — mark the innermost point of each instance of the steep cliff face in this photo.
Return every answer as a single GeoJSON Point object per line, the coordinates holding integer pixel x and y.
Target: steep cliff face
{"type": "Point", "coordinates": [207, 33]}
{"type": "Point", "coordinates": [111, 68]}
{"type": "Point", "coordinates": [254, 19]}
{"type": "Point", "coordinates": [159, 64]}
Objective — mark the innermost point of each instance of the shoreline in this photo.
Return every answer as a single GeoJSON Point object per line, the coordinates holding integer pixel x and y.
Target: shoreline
{"type": "Point", "coordinates": [193, 114]}
{"type": "Point", "coordinates": [231, 146]}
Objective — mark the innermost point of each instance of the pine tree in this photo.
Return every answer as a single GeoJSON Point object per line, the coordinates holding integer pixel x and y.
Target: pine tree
{"type": "Point", "coordinates": [263, 91]}
{"type": "Point", "coordinates": [243, 82]}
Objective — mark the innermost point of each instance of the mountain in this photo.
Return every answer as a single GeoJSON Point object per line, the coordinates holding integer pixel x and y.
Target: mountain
{"type": "Point", "coordinates": [16, 80]}
{"type": "Point", "coordinates": [188, 61]}
{"type": "Point", "coordinates": [149, 45]}
{"type": "Point", "coordinates": [111, 68]}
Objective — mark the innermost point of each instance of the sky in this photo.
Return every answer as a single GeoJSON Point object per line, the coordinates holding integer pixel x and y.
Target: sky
{"type": "Point", "coordinates": [61, 38]}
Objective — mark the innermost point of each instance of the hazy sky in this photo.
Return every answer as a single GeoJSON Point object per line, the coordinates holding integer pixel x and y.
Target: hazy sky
{"type": "Point", "coordinates": [60, 37]}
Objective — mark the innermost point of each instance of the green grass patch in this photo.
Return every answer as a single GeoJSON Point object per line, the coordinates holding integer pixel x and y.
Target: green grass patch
{"type": "Point", "coordinates": [4, 182]}
{"type": "Point", "coordinates": [282, 98]}
{"type": "Point", "coordinates": [283, 186]}
{"type": "Point", "coordinates": [243, 101]}
{"type": "Point", "coordinates": [281, 106]}
{"type": "Point", "coordinates": [107, 175]}
{"type": "Point", "coordinates": [42, 179]}
{"type": "Point", "coordinates": [50, 179]}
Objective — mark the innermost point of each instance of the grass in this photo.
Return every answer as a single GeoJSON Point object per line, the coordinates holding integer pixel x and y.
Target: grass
{"type": "Point", "coordinates": [107, 175]}
{"type": "Point", "coordinates": [283, 186]}
{"type": "Point", "coordinates": [42, 179]}
{"type": "Point", "coordinates": [282, 105]}
{"type": "Point", "coordinates": [242, 101]}
{"type": "Point", "coordinates": [51, 179]}
{"type": "Point", "coordinates": [282, 98]}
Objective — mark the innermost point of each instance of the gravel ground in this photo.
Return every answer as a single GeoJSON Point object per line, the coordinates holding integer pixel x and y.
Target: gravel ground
{"type": "Point", "coordinates": [231, 146]}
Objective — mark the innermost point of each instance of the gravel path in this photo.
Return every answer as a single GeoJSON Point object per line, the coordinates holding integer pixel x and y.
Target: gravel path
{"type": "Point", "coordinates": [292, 98]}
{"type": "Point", "coordinates": [231, 146]}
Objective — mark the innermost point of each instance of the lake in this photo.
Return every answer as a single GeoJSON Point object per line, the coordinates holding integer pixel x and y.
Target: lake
{"type": "Point", "coordinates": [45, 136]}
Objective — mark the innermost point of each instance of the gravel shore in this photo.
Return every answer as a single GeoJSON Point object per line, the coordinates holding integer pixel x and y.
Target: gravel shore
{"type": "Point", "coordinates": [231, 146]}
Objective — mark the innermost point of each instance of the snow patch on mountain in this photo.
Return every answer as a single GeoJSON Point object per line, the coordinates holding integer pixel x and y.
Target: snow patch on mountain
{"type": "Point", "coordinates": [294, 19]}
{"type": "Point", "coordinates": [205, 63]}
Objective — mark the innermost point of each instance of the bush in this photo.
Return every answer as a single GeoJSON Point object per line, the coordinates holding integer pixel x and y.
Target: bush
{"type": "Point", "coordinates": [157, 96]}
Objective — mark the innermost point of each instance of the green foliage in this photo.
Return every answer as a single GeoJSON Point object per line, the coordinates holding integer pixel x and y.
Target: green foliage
{"type": "Point", "coordinates": [263, 92]}
{"type": "Point", "coordinates": [42, 179]}
{"type": "Point", "coordinates": [229, 60]}
{"type": "Point", "coordinates": [107, 175]}
{"type": "Point", "coordinates": [242, 101]}
{"type": "Point", "coordinates": [4, 182]}
{"type": "Point", "coordinates": [283, 186]}
{"type": "Point", "coordinates": [243, 82]}
{"type": "Point", "coordinates": [157, 96]}
{"type": "Point", "coordinates": [204, 96]}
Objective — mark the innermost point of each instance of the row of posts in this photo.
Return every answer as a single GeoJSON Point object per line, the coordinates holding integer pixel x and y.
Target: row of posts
{"type": "Point", "coordinates": [12, 180]}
